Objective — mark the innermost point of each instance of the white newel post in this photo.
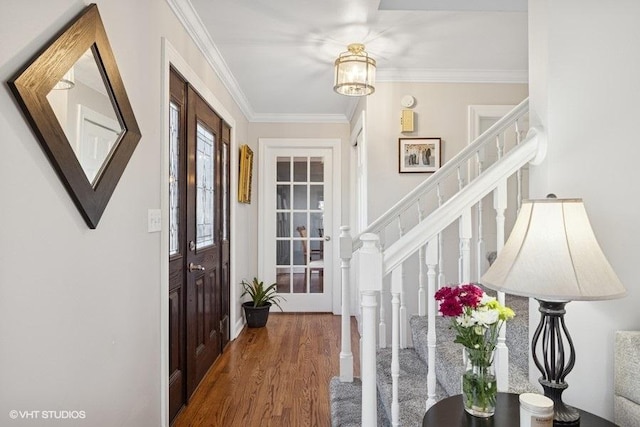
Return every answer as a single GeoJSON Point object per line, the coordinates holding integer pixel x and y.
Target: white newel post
{"type": "Point", "coordinates": [432, 259]}
{"type": "Point", "coordinates": [346, 357]}
{"type": "Point", "coordinates": [370, 276]}
{"type": "Point", "coordinates": [396, 289]}
{"type": "Point", "coordinates": [502, 352]}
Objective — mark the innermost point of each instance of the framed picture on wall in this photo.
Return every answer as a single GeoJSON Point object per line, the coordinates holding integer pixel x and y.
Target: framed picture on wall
{"type": "Point", "coordinates": [245, 175]}
{"type": "Point", "coordinates": [419, 154]}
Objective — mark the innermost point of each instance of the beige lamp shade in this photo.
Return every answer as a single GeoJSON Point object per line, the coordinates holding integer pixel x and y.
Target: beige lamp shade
{"type": "Point", "coordinates": [552, 254]}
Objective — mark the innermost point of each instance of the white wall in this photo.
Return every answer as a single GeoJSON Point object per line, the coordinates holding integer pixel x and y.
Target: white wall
{"type": "Point", "coordinates": [585, 90]}
{"type": "Point", "coordinates": [80, 308]}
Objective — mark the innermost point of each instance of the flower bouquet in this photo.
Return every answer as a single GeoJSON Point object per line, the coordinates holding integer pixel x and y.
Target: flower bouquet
{"type": "Point", "coordinates": [477, 319]}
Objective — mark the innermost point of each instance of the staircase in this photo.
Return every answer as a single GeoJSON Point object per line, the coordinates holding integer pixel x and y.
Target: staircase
{"type": "Point", "coordinates": [345, 397]}
{"type": "Point", "coordinates": [399, 383]}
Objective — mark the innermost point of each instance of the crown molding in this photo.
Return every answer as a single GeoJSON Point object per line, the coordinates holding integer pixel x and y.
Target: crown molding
{"type": "Point", "coordinates": [299, 118]}
{"type": "Point", "coordinates": [429, 75]}
{"type": "Point", "coordinates": [189, 18]}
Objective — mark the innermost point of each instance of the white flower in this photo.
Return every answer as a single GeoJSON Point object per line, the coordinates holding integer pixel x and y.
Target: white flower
{"type": "Point", "coordinates": [465, 321]}
{"type": "Point", "coordinates": [479, 329]}
{"type": "Point", "coordinates": [486, 299]}
{"type": "Point", "coordinates": [485, 317]}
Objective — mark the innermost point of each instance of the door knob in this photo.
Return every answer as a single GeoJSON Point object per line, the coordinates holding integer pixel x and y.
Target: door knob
{"type": "Point", "coordinates": [327, 238]}
{"type": "Point", "coordinates": [195, 267]}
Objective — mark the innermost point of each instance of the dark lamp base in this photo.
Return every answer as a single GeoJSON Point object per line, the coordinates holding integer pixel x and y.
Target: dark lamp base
{"type": "Point", "coordinates": [563, 415]}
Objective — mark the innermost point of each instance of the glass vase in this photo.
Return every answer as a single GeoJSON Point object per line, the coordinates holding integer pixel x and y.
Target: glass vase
{"type": "Point", "coordinates": [479, 388]}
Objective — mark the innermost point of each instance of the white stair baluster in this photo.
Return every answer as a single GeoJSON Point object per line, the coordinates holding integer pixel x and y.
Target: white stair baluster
{"type": "Point", "coordinates": [382, 318]}
{"type": "Point", "coordinates": [403, 307]}
{"type": "Point", "coordinates": [431, 260]}
{"type": "Point", "coordinates": [465, 246]}
{"type": "Point", "coordinates": [441, 278]}
{"type": "Point", "coordinates": [480, 246]}
{"type": "Point", "coordinates": [370, 286]}
{"type": "Point", "coordinates": [422, 308]}
{"type": "Point", "coordinates": [346, 356]}
{"type": "Point", "coordinates": [502, 352]}
{"type": "Point", "coordinates": [396, 287]}
{"type": "Point", "coordinates": [518, 174]}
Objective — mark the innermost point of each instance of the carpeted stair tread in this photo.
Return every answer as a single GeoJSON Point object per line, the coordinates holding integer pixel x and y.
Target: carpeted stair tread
{"type": "Point", "coordinates": [412, 385]}
{"type": "Point", "coordinates": [346, 404]}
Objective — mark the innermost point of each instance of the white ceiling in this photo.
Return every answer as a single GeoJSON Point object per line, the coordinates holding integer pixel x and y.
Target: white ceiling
{"type": "Point", "coordinates": [276, 56]}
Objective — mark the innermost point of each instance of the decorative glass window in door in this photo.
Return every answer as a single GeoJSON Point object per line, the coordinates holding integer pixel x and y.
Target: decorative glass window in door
{"type": "Point", "coordinates": [205, 162]}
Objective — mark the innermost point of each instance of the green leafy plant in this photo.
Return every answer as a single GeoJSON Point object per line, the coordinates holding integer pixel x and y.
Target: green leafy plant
{"type": "Point", "coordinates": [261, 296]}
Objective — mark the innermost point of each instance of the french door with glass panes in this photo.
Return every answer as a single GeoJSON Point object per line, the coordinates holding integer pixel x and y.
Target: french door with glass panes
{"type": "Point", "coordinates": [297, 206]}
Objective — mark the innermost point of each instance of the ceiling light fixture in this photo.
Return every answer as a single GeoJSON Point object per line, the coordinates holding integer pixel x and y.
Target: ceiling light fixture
{"type": "Point", "coordinates": [355, 72]}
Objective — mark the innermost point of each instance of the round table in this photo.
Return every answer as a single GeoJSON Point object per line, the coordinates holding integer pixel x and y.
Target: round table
{"type": "Point", "coordinates": [449, 412]}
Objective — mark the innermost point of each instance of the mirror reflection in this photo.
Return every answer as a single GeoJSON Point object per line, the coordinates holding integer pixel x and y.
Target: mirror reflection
{"type": "Point", "coordinates": [85, 112]}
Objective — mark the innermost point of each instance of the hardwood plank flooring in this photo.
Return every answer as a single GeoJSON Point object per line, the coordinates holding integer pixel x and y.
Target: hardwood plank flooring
{"type": "Point", "coordinates": [272, 376]}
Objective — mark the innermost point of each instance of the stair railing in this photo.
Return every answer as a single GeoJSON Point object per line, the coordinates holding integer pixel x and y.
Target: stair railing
{"type": "Point", "coordinates": [423, 235]}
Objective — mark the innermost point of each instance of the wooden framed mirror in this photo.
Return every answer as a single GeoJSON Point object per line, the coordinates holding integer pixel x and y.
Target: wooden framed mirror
{"type": "Point", "coordinates": [73, 97]}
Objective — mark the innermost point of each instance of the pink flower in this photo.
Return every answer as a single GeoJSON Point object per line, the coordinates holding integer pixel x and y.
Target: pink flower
{"type": "Point", "coordinates": [470, 295]}
{"type": "Point", "coordinates": [451, 307]}
{"type": "Point", "coordinates": [446, 293]}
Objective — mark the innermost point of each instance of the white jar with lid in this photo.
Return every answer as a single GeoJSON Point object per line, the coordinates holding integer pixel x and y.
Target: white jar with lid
{"type": "Point", "coordinates": [536, 410]}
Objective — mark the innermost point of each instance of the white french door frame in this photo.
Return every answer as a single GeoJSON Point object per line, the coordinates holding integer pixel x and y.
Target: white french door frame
{"type": "Point", "coordinates": [334, 145]}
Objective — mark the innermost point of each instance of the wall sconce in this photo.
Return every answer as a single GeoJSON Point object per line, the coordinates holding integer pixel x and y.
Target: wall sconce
{"type": "Point", "coordinates": [406, 117]}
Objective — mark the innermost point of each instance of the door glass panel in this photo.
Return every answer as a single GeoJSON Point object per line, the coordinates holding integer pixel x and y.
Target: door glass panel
{"type": "Point", "coordinates": [174, 175]}
{"type": "Point", "coordinates": [283, 224]}
{"type": "Point", "coordinates": [300, 224]}
{"type": "Point", "coordinates": [225, 191]}
{"type": "Point", "coordinates": [316, 226]}
{"type": "Point", "coordinates": [300, 197]}
{"type": "Point", "coordinates": [283, 197]}
{"type": "Point", "coordinates": [283, 169]}
{"type": "Point", "coordinates": [300, 169]}
{"type": "Point", "coordinates": [316, 197]}
{"type": "Point", "coordinates": [204, 187]}
{"type": "Point", "coordinates": [299, 249]}
{"type": "Point", "coordinates": [283, 280]}
{"type": "Point", "coordinates": [283, 252]}
{"type": "Point", "coordinates": [316, 169]}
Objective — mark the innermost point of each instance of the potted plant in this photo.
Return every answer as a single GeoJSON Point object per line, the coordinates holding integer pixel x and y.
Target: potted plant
{"type": "Point", "coordinates": [257, 310]}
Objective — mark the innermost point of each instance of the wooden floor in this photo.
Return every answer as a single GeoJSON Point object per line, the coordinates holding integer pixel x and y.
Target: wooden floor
{"type": "Point", "coordinates": [273, 376]}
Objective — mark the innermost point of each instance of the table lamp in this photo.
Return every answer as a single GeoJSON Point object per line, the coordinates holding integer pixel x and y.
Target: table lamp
{"type": "Point", "coordinates": [552, 255]}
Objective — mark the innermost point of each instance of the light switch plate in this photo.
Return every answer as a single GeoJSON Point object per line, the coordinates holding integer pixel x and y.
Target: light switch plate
{"type": "Point", "coordinates": [154, 220]}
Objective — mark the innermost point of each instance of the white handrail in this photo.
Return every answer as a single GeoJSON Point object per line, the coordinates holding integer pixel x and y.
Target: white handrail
{"type": "Point", "coordinates": [451, 210]}
{"type": "Point", "coordinates": [449, 167]}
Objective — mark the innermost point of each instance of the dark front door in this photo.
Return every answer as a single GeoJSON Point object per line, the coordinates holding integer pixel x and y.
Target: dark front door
{"type": "Point", "coordinates": [199, 240]}
{"type": "Point", "coordinates": [204, 215]}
